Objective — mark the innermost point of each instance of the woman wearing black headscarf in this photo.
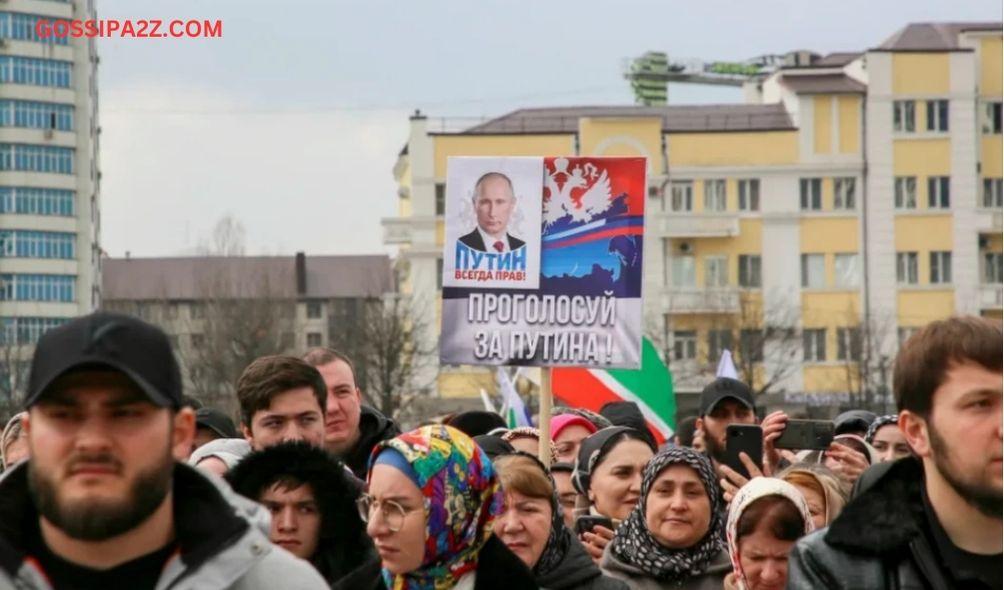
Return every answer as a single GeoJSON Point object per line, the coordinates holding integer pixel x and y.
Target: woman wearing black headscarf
{"type": "Point", "coordinates": [673, 538]}
{"type": "Point", "coordinates": [532, 527]}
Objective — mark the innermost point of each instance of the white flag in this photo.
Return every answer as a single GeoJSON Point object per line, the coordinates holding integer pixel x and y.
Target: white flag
{"type": "Point", "coordinates": [489, 406]}
{"type": "Point", "coordinates": [726, 368]}
{"type": "Point", "coordinates": [515, 414]}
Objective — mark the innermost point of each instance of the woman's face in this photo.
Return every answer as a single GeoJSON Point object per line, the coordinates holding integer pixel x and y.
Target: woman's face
{"type": "Point", "coordinates": [403, 550]}
{"type": "Point", "coordinates": [526, 444]}
{"type": "Point", "coordinates": [890, 443]}
{"type": "Point", "coordinates": [569, 441]}
{"type": "Point", "coordinates": [615, 485]}
{"type": "Point", "coordinates": [524, 526]}
{"type": "Point", "coordinates": [764, 560]}
{"type": "Point", "coordinates": [817, 505]}
{"type": "Point", "coordinates": [566, 495]}
{"type": "Point", "coordinates": [677, 509]}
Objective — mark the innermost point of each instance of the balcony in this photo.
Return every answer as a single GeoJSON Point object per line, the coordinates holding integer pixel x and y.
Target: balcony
{"type": "Point", "coordinates": [991, 297]}
{"type": "Point", "coordinates": [690, 300]}
{"type": "Point", "coordinates": [988, 220]}
{"type": "Point", "coordinates": [688, 225]}
{"type": "Point", "coordinates": [409, 230]}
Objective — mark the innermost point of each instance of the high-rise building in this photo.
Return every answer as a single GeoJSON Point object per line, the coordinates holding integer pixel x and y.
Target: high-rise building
{"type": "Point", "coordinates": [49, 178]}
{"type": "Point", "coordinates": [852, 199]}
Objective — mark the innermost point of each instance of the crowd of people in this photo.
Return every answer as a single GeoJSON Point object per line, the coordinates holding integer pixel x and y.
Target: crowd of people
{"type": "Point", "coordinates": [115, 479]}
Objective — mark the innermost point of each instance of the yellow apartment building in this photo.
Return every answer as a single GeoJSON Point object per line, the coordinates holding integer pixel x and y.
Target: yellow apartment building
{"type": "Point", "coordinates": [809, 229]}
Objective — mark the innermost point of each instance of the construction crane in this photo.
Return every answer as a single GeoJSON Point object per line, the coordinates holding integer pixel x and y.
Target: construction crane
{"type": "Point", "coordinates": [650, 73]}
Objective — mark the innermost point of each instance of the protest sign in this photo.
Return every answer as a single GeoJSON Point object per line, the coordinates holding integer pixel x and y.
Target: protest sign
{"type": "Point", "coordinates": [586, 309]}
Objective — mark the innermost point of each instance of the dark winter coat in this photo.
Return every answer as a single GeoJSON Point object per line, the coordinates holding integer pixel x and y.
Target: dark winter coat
{"type": "Point", "coordinates": [578, 572]}
{"type": "Point", "coordinates": [877, 542]}
{"type": "Point", "coordinates": [373, 428]}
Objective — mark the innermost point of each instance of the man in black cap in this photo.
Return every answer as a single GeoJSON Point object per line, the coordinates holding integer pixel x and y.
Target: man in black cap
{"type": "Point", "coordinates": [103, 502]}
{"type": "Point", "coordinates": [211, 424]}
{"type": "Point", "coordinates": [854, 422]}
{"type": "Point", "coordinates": [724, 401]}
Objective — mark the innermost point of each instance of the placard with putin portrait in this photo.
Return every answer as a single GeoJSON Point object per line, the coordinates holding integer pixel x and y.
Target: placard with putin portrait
{"type": "Point", "coordinates": [493, 216]}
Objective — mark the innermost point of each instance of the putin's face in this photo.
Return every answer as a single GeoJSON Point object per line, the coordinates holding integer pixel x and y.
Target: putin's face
{"type": "Point", "coordinates": [494, 203]}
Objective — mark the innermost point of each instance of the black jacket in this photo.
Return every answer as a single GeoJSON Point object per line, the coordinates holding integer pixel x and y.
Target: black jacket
{"type": "Point", "coordinates": [878, 541]}
{"type": "Point", "coordinates": [578, 572]}
{"type": "Point", "coordinates": [475, 241]}
{"type": "Point", "coordinates": [498, 569]}
{"type": "Point", "coordinates": [373, 428]}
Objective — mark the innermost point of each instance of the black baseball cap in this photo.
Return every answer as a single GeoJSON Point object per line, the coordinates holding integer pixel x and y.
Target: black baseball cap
{"type": "Point", "coordinates": [725, 387]}
{"type": "Point", "coordinates": [853, 421]}
{"type": "Point", "coordinates": [111, 341]}
{"type": "Point", "coordinates": [216, 421]}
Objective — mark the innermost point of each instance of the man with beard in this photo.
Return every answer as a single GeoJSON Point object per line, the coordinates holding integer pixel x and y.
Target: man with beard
{"type": "Point", "coordinates": [933, 520]}
{"type": "Point", "coordinates": [724, 401]}
{"type": "Point", "coordinates": [102, 502]}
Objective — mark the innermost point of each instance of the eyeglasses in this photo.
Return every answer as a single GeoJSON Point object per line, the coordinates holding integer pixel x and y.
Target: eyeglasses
{"type": "Point", "coordinates": [392, 512]}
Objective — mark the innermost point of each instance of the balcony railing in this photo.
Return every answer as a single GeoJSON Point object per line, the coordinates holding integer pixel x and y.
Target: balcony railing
{"type": "Point", "coordinates": [698, 300]}
{"type": "Point", "coordinates": [686, 225]}
{"type": "Point", "coordinates": [991, 297]}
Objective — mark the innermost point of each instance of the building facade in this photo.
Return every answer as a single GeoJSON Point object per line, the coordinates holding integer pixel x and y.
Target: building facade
{"type": "Point", "coordinates": [809, 230]}
{"type": "Point", "coordinates": [50, 178]}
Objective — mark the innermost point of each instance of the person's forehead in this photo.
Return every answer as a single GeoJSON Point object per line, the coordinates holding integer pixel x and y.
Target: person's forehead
{"type": "Point", "coordinates": [678, 473]}
{"type": "Point", "coordinates": [336, 373]}
{"type": "Point", "coordinates": [573, 432]}
{"type": "Point", "coordinates": [630, 450]}
{"type": "Point", "coordinates": [278, 492]}
{"type": "Point", "coordinates": [889, 432]}
{"type": "Point", "coordinates": [292, 402]}
{"type": "Point", "coordinates": [495, 187]}
{"type": "Point", "coordinates": [387, 481]}
{"type": "Point", "coordinates": [963, 378]}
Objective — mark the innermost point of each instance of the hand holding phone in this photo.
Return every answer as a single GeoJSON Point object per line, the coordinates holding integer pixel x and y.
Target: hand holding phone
{"type": "Point", "coordinates": [743, 438]}
{"type": "Point", "coordinates": [806, 434]}
{"type": "Point", "coordinates": [585, 524]}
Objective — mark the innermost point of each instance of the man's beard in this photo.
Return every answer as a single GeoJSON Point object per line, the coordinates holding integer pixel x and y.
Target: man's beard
{"type": "Point", "coordinates": [99, 520]}
{"type": "Point", "coordinates": [713, 449]}
{"type": "Point", "coordinates": [978, 494]}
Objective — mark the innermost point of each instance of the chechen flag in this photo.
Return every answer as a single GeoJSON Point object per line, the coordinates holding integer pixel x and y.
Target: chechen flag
{"type": "Point", "coordinates": [651, 388]}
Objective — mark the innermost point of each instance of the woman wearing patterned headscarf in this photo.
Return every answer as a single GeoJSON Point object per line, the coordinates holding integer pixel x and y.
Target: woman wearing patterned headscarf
{"type": "Point", "coordinates": [531, 525]}
{"type": "Point", "coordinates": [765, 519]}
{"type": "Point", "coordinates": [433, 497]}
{"type": "Point", "coordinates": [887, 439]}
{"type": "Point", "coordinates": [673, 538]}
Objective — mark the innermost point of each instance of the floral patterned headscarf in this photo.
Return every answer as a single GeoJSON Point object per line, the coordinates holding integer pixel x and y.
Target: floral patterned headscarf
{"type": "Point", "coordinates": [755, 489]}
{"type": "Point", "coordinates": [462, 500]}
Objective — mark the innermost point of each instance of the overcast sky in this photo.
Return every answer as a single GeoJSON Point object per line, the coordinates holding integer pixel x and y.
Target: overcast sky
{"type": "Point", "coordinates": [293, 120]}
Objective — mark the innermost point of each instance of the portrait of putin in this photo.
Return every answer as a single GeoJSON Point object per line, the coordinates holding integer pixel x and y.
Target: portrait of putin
{"type": "Point", "coordinates": [494, 202]}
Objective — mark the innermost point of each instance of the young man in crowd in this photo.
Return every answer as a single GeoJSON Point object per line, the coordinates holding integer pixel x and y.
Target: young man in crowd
{"type": "Point", "coordinates": [351, 429]}
{"type": "Point", "coordinates": [212, 424]}
{"type": "Point", "coordinates": [314, 515]}
{"type": "Point", "coordinates": [102, 501]}
{"type": "Point", "coordinates": [724, 401]}
{"type": "Point", "coordinates": [933, 520]}
{"type": "Point", "coordinates": [282, 399]}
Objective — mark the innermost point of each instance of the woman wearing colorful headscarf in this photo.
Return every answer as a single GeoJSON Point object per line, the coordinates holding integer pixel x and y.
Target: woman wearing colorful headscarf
{"type": "Point", "coordinates": [766, 517]}
{"type": "Point", "coordinates": [607, 476]}
{"type": "Point", "coordinates": [433, 497]}
{"type": "Point", "coordinates": [532, 527]}
{"type": "Point", "coordinates": [673, 538]}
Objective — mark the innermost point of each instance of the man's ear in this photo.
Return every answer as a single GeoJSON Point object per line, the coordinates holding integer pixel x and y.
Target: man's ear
{"type": "Point", "coordinates": [247, 434]}
{"type": "Point", "coordinates": [699, 424]}
{"type": "Point", "coordinates": [915, 430]}
{"type": "Point", "coordinates": [183, 433]}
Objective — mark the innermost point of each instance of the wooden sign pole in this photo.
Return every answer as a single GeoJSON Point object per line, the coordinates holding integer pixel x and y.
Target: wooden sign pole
{"type": "Point", "coordinates": [544, 417]}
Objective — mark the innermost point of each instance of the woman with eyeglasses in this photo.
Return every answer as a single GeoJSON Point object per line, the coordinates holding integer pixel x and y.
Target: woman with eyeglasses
{"type": "Point", "coordinates": [433, 497]}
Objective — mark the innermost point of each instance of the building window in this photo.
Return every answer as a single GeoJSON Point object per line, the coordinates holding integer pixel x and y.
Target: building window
{"type": "Point", "coordinates": [22, 27]}
{"type": "Point", "coordinates": [906, 192]}
{"type": "Point", "coordinates": [684, 345]}
{"type": "Point", "coordinates": [196, 311]}
{"type": "Point", "coordinates": [843, 193]}
{"type": "Point", "coordinates": [937, 192]}
{"type": "Point", "coordinates": [681, 197]}
{"type": "Point", "coordinates": [992, 118]}
{"type": "Point", "coordinates": [906, 268]}
{"type": "Point", "coordinates": [937, 115]}
{"type": "Point", "coordinates": [813, 271]}
{"type": "Point", "coordinates": [749, 194]}
{"type": "Point", "coordinates": [814, 345]}
{"type": "Point", "coordinates": [992, 262]}
{"type": "Point", "coordinates": [682, 271]}
{"type": "Point", "coordinates": [716, 271]}
{"type": "Point", "coordinates": [37, 201]}
{"type": "Point", "coordinates": [26, 330]}
{"type": "Point", "coordinates": [718, 341]}
{"type": "Point", "coordinates": [440, 198]}
{"type": "Point", "coordinates": [992, 193]}
{"type": "Point", "coordinates": [197, 340]}
{"type": "Point", "coordinates": [36, 158]}
{"type": "Point", "coordinates": [38, 287]}
{"type": "Point", "coordinates": [941, 268]}
{"type": "Point", "coordinates": [810, 192]}
{"type": "Point", "coordinates": [313, 309]}
{"type": "Point", "coordinates": [714, 194]}
{"type": "Point", "coordinates": [749, 270]}
{"type": "Point", "coordinates": [848, 344]}
{"type": "Point", "coordinates": [847, 273]}
{"type": "Point", "coordinates": [34, 71]}
{"type": "Point", "coordinates": [751, 345]}
{"type": "Point", "coordinates": [37, 244]}
{"type": "Point", "coordinates": [313, 339]}
{"type": "Point", "coordinates": [903, 116]}
{"type": "Point", "coordinates": [36, 115]}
